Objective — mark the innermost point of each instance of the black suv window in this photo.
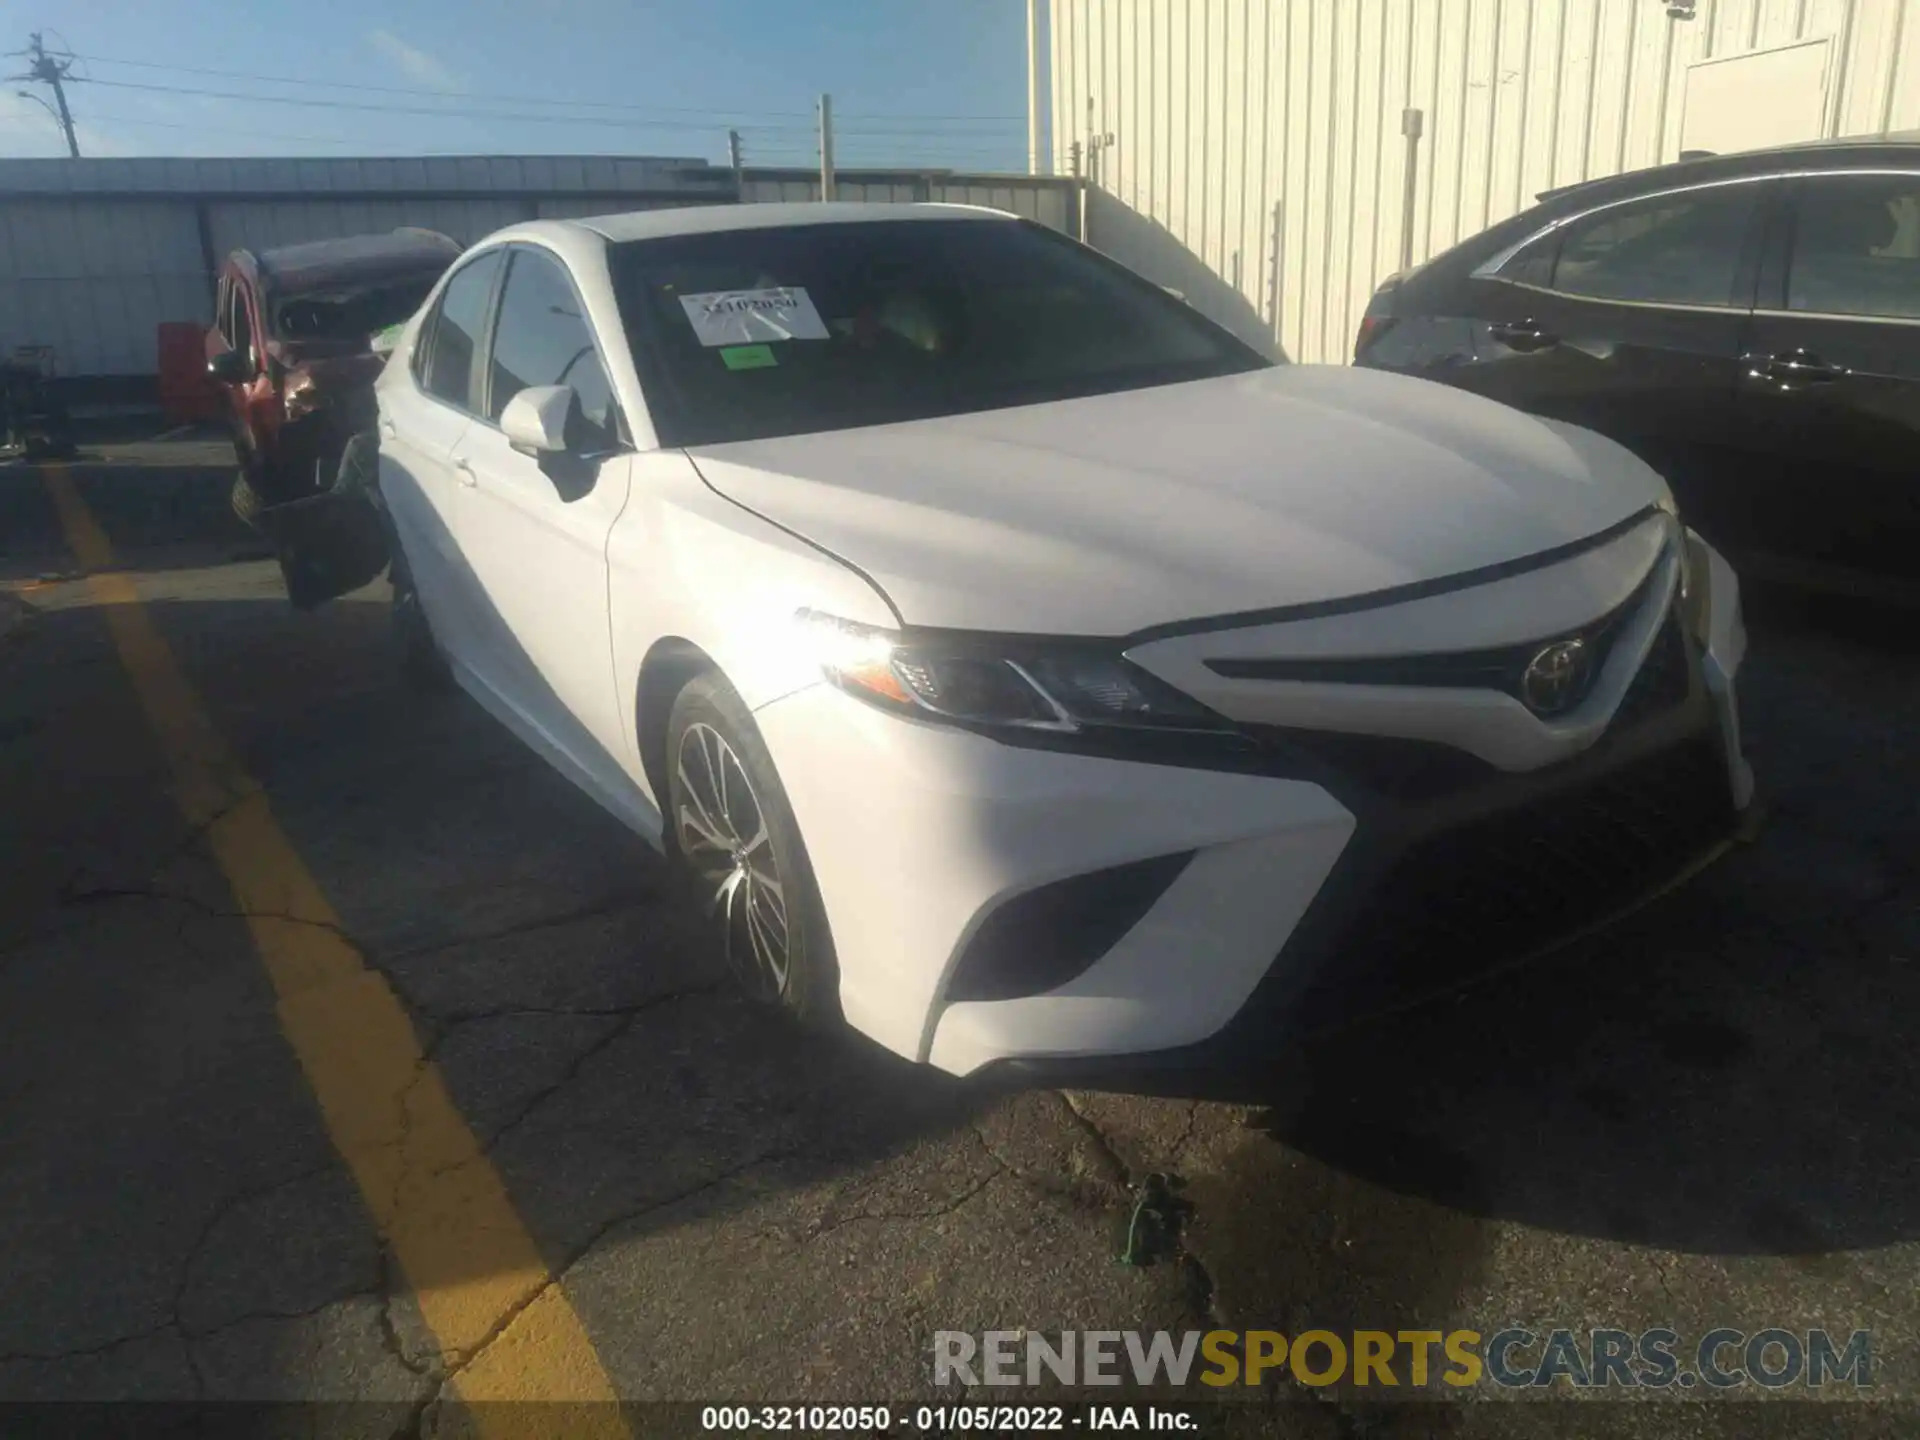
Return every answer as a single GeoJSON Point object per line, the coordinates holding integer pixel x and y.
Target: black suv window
{"type": "Point", "coordinates": [1856, 247]}
{"type": "Point", "coordinates": [453, 333]}
{"type": "Point", "coordinates": [1681, 249]}
{"type": "Point", "coordinates": [543, 339]}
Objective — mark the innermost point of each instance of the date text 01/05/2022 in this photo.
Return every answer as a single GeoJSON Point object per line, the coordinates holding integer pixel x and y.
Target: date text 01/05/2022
{"type": "Point", "coordinates": [936, 1419]}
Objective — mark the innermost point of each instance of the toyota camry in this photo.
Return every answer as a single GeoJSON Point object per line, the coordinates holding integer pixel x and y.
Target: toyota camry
{"type": "Point", "coordinates": [1025, 669]}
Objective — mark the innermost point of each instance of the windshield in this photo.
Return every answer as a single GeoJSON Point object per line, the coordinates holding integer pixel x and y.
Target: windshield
{"type": "Point", "coordinates": [745, 334]}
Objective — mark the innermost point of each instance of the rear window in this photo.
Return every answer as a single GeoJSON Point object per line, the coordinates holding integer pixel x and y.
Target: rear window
{"type": "Point", "coordinates": [745, 334]}
{"type": "Point", "coordinates": [351, 313]}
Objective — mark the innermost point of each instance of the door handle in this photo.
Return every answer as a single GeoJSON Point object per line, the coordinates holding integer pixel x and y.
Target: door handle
{"type": "Point", "coordinates": [463, 471]}
{"type": "Point", "coordinates": [1521, 335]}
{"type": "Point", "coordinates": [387, 429]}
{"type": "Point", "coordinates": [1791, 367]}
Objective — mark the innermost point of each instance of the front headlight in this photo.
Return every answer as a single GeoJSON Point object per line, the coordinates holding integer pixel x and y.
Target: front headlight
{"type": "Point", "coordinates": [1049, 686]}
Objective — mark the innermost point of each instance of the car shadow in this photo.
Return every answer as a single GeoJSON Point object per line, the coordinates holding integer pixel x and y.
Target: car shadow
{"type": "Point", "coordinates": [1728, 1071]}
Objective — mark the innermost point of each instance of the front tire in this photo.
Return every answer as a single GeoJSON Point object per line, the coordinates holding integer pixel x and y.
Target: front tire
{"type": "Point", "coordinates": [734, 835]}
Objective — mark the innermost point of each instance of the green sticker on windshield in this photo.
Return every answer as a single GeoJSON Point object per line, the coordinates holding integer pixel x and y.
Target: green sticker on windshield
{"type": "Point", "coordinates": [748, 357]}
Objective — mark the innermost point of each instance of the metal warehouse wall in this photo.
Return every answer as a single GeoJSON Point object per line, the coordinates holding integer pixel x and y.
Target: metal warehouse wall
{"type": "Point", "coordinates": [1221, 110]}
{"type": "Point", "coordinates": [95, 254]}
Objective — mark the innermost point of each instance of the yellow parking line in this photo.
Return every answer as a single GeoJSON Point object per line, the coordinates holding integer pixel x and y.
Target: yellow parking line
{"type": "Point", "coordinates": [436, 1198]}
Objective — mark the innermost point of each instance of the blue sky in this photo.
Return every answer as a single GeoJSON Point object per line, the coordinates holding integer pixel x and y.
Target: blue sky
{"type": "Point", "coordinates": [914, 82]}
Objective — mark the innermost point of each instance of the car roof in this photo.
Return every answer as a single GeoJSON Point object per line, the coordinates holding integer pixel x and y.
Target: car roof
{"type": "Point", "coordinates": [711, 219]}
{"type": "Point", "coordinates": [1858, 152]}
{"type": "Point", "coordinates": [354, 259]}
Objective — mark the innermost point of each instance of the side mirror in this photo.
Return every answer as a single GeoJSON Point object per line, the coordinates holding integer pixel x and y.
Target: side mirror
{"type": "Point", "coordinates": [229, 367]}
{"type": "Point", "coordinates": [535, 420]}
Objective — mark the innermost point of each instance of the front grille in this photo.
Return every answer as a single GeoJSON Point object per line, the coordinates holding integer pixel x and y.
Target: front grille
{"type": "Point", "coordinates": [1412, 772]}
{"type": "Point", "coordinates": [1500, 887]}
{"type": "Point", "coordinates": [1501, 668]}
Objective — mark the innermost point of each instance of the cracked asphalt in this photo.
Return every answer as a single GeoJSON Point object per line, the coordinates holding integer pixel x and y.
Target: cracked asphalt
{"type": "Point", "coordinates": [1708, 1116]}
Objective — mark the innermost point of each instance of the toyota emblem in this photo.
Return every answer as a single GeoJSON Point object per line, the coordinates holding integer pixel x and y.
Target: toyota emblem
{"type": "Point", "coordinates": [1556, 678]}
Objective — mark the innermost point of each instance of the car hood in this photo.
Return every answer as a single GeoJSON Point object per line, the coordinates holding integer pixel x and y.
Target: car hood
{"type": "Point", "coordinates": [1111, 514]}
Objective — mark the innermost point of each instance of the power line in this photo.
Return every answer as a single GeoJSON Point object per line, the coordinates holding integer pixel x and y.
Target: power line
{"type": "Point", "coordinates": [417, 91]}
{"type": "Point", "coordinates": [876, 115]}
{"type": "Point", "coordinates": [446, 112]}
{"type": "Point", "coordinates": [533, 99]}
{"type": "Point", "coordinates": [260, 134]}
{"type": "Point", "coordinates": [471, 113]}
{"type": "Point", "coordinates": [787, 156]}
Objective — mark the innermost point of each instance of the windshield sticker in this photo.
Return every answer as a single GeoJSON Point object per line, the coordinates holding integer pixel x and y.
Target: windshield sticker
{"type": "Point", "coordinates": [748, 317]}
{"type": "Point", "coordinates": [748, 357]}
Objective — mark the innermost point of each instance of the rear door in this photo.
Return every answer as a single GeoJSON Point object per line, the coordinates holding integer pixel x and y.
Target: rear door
{"type": "Point", "coordinates": [426, 406]}
{"type": "Point", "coordinates": [1628, 319]}
{"type": "Point", "coordinates": [1830, 391]}
{"type": "Point", "coordinates": [337, 541]}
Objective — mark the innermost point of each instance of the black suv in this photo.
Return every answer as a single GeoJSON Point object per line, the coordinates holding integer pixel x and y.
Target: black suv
{"type": "Point", "coordinates": [1749, 324]}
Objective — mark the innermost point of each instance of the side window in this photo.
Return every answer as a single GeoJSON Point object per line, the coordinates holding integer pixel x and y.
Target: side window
{"type": "Point", "coordinates": [448, 369]}
{"type": "Point", "coordinates": [222, 308]}
{"type": "Point", "coordinates": [1856, 247]}
{"type": "Point", "coordinates": [543, 339]}
{"type": "Point", "coordinates": [1681, 249]}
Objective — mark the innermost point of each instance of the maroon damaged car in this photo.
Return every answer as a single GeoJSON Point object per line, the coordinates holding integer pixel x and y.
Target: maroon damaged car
{"type": "Point", "coordinates": [292, 349]}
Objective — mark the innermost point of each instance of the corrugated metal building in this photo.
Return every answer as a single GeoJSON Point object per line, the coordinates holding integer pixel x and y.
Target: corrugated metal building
{"type": "Point", "coordinates": [95, 254]}
{"type": "Point", "coordinates": [1202, 122]}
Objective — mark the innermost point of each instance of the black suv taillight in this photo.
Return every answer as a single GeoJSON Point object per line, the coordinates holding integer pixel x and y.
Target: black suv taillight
{"type": "Point", "coordinates": [1372, 327]}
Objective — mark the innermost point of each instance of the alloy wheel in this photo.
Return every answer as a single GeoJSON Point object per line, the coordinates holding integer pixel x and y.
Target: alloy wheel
{"type": "Point", "coordinates": [722, 832]}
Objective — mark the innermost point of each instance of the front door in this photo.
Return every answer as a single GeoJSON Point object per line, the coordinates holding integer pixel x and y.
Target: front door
{"type": "Point", "coordinates": [534, 535]}
{"type": "Point", "coordinates": [1628, 321]}
{"type": "Point", "coordinates": [1831, 387]}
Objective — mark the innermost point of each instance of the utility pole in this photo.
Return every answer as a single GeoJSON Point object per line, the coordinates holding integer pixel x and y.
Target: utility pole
{"type": "Point", "coordinates": [47, 70]}
{"type": "Point", "coordinates": [733, 159]}
{"type": "Point", "coordinates": [1276, 271]}
{"type": "Point", "coordinates": [1079, 192]}
{"type": "Point", "coordinates": [1033, 87]}
{"type": "Point", "coordinates": [1410, 126]}
{"type": "Point", "coordinates": [826, 147]}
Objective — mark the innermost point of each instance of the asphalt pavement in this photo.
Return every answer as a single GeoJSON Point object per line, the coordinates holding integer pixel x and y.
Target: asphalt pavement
{"type": "Point", "coordinates": [247, 879]}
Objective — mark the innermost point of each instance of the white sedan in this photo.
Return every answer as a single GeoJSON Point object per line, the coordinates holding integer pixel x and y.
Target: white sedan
{"type": "Point", "coordinates": [1028, 670]}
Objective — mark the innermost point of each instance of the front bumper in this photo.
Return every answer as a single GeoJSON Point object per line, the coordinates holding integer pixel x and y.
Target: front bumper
{"type": "Point", "coordinates": [1242, 894]}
